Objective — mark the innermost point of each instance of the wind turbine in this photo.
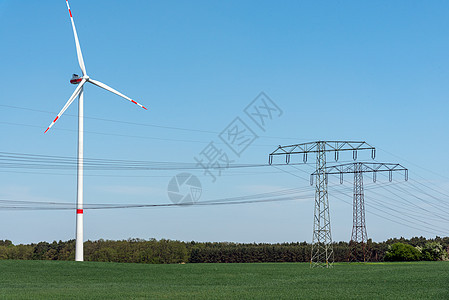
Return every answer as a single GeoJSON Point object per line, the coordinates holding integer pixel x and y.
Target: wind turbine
{"type": "Point", "coordinates": [80, 81]}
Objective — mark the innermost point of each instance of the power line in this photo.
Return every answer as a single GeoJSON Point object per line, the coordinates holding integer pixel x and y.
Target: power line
{"type": "Point", "coordinates": [422, 200]}
{"type": "Point", "coordinates": [389, 219]}
{"type": "Point", "coordinates": [35, 161]}
{"type": "Point", "coordinates": [425, 193]}
{"type": "Point", "coordinates": [130, 123]}
{"type": "Point", "coordinates": [227, 174]}
{"type": "Point", "coordinates": [276, 196]}
{"type": "Point", "coordinates": [431, 229]}
{"type": "Point", "coordinates": [409, 162]}
{"type": "Point", "coordinates": [394, 202]}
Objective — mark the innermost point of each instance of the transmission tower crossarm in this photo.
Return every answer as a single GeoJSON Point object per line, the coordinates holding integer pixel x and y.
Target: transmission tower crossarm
{"type": "Point", "coordinates": [366, 167]}
{"type": "Point", "coordinates": [329, 146]}
{"type": "Point", "coordinates": [363, 167]}
{"type": "Point", "coordinates": [321, 146]}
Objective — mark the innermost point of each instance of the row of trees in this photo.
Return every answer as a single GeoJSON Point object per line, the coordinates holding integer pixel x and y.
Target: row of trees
{"type": "Point", "coordinates": [169, 252]}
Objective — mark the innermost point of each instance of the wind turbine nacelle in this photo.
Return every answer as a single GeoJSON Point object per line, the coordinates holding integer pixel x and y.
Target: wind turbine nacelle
{"type": "Point", "coordinates": [76, 79]}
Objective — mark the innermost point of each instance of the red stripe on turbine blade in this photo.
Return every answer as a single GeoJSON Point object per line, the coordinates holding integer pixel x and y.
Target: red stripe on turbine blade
{"type": "Point", "coordinates": [133, 101]}
{"type": "Point", "coordinates": [47, 130]}
{"type": "Point", "coordinates": [70, 13]}
{"type": "Point", "coordinates": [144, 107]}
{"type": "Point", "coordinates": [56, 119]}
{"type": "Point", "coordinates": [79, 211]}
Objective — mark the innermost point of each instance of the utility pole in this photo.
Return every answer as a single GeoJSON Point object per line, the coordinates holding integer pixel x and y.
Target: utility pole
{"type": "Point", "coordinates": [359, 236]}
{"type": "Point", "coordinates": [322, 252]}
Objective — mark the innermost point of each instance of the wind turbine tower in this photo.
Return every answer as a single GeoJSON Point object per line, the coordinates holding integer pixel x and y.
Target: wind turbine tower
{"type": "Point", "coordinates": [79, 92]}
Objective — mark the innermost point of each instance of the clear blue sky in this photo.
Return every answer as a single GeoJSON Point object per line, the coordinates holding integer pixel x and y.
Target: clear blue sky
{"type": "Point", "coordinates": [357, 70]}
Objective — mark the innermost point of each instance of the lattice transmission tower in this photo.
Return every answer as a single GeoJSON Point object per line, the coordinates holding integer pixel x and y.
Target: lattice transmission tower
{"type": "Point", "coordinates": [359, 237]}
{"type": "Point", "coordinates": [322, 251]}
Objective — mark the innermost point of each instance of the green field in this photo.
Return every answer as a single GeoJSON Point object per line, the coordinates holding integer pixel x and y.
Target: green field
{"type": "Point", "coordinates": [90, 280]}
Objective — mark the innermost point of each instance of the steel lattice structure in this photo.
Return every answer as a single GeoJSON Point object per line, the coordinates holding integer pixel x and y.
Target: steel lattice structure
{"type": "Point", "coordinates": [322, 250]}
{"type": "Point", "coordinates": [359, 235]}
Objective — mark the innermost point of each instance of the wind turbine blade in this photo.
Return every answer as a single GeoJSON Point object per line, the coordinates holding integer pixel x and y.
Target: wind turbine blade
{"type": "Point", "coordinates": [108, 88]}
{"type": "Point", "coordinates": [77, 42]}
{"type": "Point", "coordinates": [75, 93]}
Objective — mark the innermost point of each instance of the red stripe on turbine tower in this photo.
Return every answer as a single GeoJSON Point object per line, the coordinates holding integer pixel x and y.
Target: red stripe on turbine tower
{"type": "Point", "coordinates": [79, 211]}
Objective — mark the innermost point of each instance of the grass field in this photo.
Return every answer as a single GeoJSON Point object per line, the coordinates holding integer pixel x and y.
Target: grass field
{"type": "Point", "coordinates": [90, 280]}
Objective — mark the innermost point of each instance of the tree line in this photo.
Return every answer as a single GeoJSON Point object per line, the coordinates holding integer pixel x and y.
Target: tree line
{"type": "Point", "coordinates": [164, 251]}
